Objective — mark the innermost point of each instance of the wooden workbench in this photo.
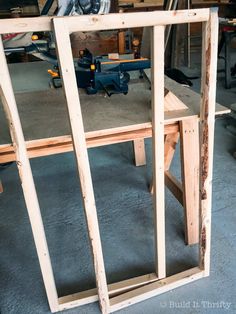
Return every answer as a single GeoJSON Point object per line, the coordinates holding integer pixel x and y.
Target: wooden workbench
{"type": "Point", "coordinates": [113, 120]}
{"type": "Point", "coordinates": [106, 120]}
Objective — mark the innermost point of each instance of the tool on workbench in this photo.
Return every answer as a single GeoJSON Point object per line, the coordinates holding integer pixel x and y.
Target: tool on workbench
{"type": "Point", "coordinates": [103, 74]}
{"type": "Point", "coordinates": [92, 73]}
{"type": "Point", "coordinates": [77, 7]}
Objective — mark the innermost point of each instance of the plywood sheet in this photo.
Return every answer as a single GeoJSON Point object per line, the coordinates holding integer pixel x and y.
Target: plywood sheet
{"type": "Point", "coordinates": [43, 114]}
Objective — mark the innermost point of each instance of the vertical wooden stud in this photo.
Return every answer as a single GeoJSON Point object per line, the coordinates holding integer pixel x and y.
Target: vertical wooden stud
{"type": "Point", "coordinates": [27, 182]}
{"type": "Point", "coordinates": [207, 122]}
{"type": "Point", "coordinates": [64, 53]}
{"type": "Point", "coordinates": [190, 177]}
{"type": "Point", "coordinates": [158, 147]}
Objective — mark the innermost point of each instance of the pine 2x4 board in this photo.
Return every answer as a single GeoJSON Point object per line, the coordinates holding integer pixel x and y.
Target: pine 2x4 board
{"type": "Point", "coordinates": [119, 295]}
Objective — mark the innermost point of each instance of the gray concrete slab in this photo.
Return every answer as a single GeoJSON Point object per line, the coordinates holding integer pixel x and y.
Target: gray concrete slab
{"type": "Point", "coordinates": [125, 216]}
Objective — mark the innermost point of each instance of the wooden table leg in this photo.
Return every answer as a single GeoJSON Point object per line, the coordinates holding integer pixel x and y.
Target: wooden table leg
{"type": "Point", "coordinates": [169, 149]}
{"type": "Point", "coordinates": [187, 194]}
{"type": "Point", "coordinates": [170, 143]}
{"type": "Point", "coordinates": [139, 152]}
{"type": "Point", "coordinates": [171, 182]}
{"type": "Point", "coordinates": [189, 134]}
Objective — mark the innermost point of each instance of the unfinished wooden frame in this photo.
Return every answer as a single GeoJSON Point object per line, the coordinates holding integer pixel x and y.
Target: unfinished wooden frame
{"type": "Point", "coordinates": [118, 295]}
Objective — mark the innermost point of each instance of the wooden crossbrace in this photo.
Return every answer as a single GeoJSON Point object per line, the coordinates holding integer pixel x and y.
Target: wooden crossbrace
{"type": "Point", "coordinates": [118, 295]}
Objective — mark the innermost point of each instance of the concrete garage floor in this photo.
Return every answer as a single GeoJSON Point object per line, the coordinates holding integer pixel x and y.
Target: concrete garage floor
{"type": "Point", "coordinates": [125, 216]}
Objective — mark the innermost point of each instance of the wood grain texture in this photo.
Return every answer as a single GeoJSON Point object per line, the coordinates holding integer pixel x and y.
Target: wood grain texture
{"type": "Point", "coordinates": [156, 288]}
{"type": "Point", "coordinates": [137, 19]}
{"type": "Point", "coordinates": [89, 296]}
{"type": "Point", "coordinates": [105, 22]}
{"type": "Point", "coordinates": [189, 150]}
{"type": "Point", "coordinates": [158, 147]}
{"type": "Point", "coordinates": [207, 122]}
{"type": "Point", "coordinates": [63, 144]}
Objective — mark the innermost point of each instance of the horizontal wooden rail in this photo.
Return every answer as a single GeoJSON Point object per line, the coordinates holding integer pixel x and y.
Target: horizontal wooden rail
{"type": "Point", "coordinates": [63, 144]}
{"type": "Point", "coordinates": [146, 285]}
{"type": "Point", "coordinates": [129, 20]}
{"type": "Point", "coordinates": [114, 289]}
{"type": "Point", "coordinates": [105, 22]}
{"type": "Point", "coordinates": [155, 288]}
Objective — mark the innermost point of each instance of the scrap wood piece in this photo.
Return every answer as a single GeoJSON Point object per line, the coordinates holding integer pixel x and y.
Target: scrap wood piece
{"type": "Point", "coordinates": [172, 102]}
{"type": "Point", "coordinates": [188, 96]}
{"type": "Point", "coordinates": [148, 4]}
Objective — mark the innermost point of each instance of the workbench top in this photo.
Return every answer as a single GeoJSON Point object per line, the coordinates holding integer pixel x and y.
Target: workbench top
{"type": "Point", "coordinates": [43, 113]}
